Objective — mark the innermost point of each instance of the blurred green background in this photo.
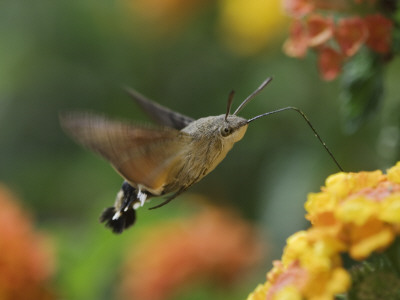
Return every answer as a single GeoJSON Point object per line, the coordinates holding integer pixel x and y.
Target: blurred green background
{"type": "Point", "coordinates": [76, 55]}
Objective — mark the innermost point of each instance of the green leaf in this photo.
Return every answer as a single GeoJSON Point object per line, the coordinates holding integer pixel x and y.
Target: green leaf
{"type": "Point", "coordinates": [376, 277]}
{"type": "Point", "coordinates": [362, 89]}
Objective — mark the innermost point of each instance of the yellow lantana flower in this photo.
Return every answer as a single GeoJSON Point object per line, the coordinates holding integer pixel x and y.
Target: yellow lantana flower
{"type": "Point", "coordinates": [363, 208]}
{"type": "Point", "coordinates": [248, 26]}
{"type": "Point", "coordinates": [310, 269]}
{"type": "Point", "coordinates": [260, 293]}
{"type": "Point", "coordinates": [355, 213]}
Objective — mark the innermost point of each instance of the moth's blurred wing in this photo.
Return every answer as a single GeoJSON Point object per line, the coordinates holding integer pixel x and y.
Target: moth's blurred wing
{"type": "Point", "coordinates": [160, 114]}
{"type": "Point", "coordinates": [141, 155]}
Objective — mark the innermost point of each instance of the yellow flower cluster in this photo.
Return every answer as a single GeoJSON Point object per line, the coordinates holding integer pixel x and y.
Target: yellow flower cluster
{"type": "Point", "coordinates": [246, 27]}
{"type": "Point", "coordinates": [310, 268]}
{"type": "Point", "coordinates": [361, 210]}
{"type": "Point", "coordinates": [356, 213]}
{"type": "Point", "coordinates": [249, 26]}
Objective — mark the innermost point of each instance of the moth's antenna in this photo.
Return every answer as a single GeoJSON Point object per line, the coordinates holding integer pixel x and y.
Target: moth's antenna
{"type": "Point", "coordinates": [228, 108]}
{"type": "Point", "coordinates": [309, 124]}
{"type": "Point", "coordinates": [252, 95]}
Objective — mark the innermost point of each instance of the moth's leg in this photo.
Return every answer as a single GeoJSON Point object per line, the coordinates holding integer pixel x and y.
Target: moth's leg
{"type": "Point", "coordinates": [141, 196]}
{"type": "Point", "coordinates": [168, 199]}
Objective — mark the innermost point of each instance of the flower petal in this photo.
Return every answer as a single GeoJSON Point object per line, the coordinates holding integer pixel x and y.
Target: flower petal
{"type": "Point", "coordinates": [373, 242]}
{"type": "Point", "coordinates": [297, 43]}
{"type": "Point", "coordinates": [329, 63]}
{"type": "Point", "coordinates": [320, 29]}
{"type": "Point", "coordinates": [394, 173]}
{"type": "Point", "coordinates": [380, 31]}
{"type": "Point", "coordinates": [350, 34]}
{"type": "Point", "coordinates": [298, 8]}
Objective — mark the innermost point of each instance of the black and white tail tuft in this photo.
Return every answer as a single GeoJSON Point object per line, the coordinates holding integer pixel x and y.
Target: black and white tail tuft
{"type": "Point", "coordinates": [122, 215]}
{"type": "Point", "coordinates": [117, 225]}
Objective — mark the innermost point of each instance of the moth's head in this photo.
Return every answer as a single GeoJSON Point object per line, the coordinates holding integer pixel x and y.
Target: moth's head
{"type": "Point", "coordinates": [231, 126]}
{"type": "Point", "coordinates": [230, 129]}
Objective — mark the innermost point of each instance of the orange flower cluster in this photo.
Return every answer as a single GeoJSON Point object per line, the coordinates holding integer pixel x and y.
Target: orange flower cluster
{"type": "Point", "coordinates": [165, 15]}
{"type": "Point", "coordinates": [213, 245]}
{"type": "Point", "coordinates": [334, 39]}
{"type": "Point", "coordinates": [356, 213]}
{"type": "Point", "coordinates": [26, 261]}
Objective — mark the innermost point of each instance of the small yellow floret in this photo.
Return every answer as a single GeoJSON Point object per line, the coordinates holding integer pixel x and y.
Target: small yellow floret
{"type": "Point", "coordinates": [288, 293]}
{"type": "Point", "coordinates": [393, 173]}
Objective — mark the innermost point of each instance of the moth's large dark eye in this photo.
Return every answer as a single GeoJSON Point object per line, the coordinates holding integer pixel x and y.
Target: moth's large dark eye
{"type": "Point", "coordinates": [225, 131]}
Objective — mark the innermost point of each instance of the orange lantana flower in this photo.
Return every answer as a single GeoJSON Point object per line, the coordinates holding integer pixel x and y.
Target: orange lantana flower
{"type": "Point", "coordinates": [297, 44]}
{"type": "Point", "coordinates": [350, 34]}
{"type": "Point", "coordinates": [26, 259]}
{"type": "Point", "coordinates": [214, 244]}
{"type": "Point", "coordinates": [334, 36]}
{"type": "Point", "coordinates": [379, 33]}
{"type": "Point", "coordinates": [329, 63]}
{"type": "Point", "coordinates": [320, 29]}
{"type": "Point", "coordinates": [298, 8]}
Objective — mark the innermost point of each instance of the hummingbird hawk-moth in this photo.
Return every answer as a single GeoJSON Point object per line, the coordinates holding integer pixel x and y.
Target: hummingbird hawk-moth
{"type": "Point", "coordinates": [157, 161]}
